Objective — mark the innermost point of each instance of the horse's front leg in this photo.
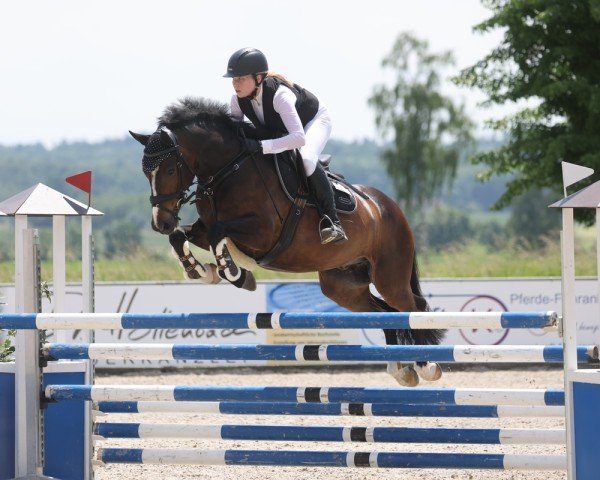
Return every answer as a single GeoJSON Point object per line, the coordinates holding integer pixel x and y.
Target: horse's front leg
{"type": "Point", "coordinates": [232, 264]}
{"type": "Point", "coordinates": [180, 240]}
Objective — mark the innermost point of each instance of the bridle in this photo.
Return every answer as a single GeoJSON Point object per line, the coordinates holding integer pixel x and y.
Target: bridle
{"type": "Point", "coordinates": [206, 188]}
{"type": "Point", "coordinates": [181, 194]}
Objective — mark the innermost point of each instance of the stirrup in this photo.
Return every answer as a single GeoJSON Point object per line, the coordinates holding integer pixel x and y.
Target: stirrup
{"type": "Point", "coordinates": [333, 233]}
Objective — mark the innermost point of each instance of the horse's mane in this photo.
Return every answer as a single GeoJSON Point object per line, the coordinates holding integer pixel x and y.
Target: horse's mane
{"type": "Point", "coordinates": [195, 110]}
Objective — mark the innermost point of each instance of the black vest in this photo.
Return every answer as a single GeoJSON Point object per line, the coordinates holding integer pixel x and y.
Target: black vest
{"type": "Point", "coordinates": [307, 106]}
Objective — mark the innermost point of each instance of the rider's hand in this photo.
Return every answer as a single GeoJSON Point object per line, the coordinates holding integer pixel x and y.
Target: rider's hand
{"type": "Point", "coordinates": [252, 145]}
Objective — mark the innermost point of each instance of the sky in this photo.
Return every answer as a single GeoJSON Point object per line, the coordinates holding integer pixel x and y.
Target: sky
{"type": "Point", "coordinates": [75, 70]}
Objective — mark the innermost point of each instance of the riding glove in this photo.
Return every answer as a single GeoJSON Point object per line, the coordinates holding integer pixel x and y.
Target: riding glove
{"type": "Point", "coordinates": [252, 145]}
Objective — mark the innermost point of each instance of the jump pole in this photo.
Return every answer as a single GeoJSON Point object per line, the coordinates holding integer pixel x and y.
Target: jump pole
{"type": "Point", "coordinates": [316, 433]}
{"type": "Point", "coordinates": [331, 459]}
{"type": "Point", "coordinates": [332, 409]}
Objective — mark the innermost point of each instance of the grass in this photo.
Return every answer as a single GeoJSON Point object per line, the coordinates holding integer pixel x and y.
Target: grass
{"type": "Point", "coordinates": [458, 261]}
{"type": "Point", "coordinates": [476, 260]}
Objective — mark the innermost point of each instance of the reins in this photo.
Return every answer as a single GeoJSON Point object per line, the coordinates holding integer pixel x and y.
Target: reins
{"type": "Point", "coordinates": [243, 136]}
{"type": "Point", "coordinates": [208, 188]}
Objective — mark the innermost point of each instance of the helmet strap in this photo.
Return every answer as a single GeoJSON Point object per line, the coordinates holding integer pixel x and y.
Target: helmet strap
{"type": "Point", "coordinates": [258, 83]}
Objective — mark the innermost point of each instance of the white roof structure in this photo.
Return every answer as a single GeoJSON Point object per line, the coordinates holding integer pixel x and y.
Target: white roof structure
{"type": "Point", "coordinates": [42, 201]}
{"type": "Point", "coordinates": [589, 197]}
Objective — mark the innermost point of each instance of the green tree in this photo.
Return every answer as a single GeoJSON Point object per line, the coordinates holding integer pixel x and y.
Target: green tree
{"type": "Point", "coordinates": [531, 219]}
{"type": "Point", "coordinates": [448, 225]}
{"type": "Point", "coordinates": [549, 58]}
{"type": "Point", "coordinates": [121, 237]}
{"type": "Point", "coordinates": [428, 130]}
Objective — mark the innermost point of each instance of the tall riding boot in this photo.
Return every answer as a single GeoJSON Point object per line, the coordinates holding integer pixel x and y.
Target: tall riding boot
{"type": "Point", "coordinates": [330, 227]}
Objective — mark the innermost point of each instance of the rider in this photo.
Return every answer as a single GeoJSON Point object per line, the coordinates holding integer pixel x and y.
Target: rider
{"type": "Point", "coordinates": [272, 102]}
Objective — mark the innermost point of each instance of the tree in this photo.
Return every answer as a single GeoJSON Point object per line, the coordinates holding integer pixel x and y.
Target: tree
{"type": "Point", "coordinates": [121, 237]}
{"type": "Point", "coordinates": [549, 56]}
{"type": "Point", "coordinates": [428, 130]}
{"type": "Point", "coordinates": [531, 219]}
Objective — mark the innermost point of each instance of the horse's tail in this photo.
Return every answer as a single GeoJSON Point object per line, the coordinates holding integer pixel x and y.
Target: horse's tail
{"type": "Point", "coordinates": [415, 286]}
{"type": "Point", "coordinates": [419, 337]}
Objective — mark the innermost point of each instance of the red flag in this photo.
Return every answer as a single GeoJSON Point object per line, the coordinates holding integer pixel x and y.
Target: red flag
{"type": "Point", "coordinates": [82, 180]}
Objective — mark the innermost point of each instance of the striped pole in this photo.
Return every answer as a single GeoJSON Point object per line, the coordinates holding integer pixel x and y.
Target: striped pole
{"type": "Point", "coordinates": [288, 320]}
{"type": "Point", "coordinates": [331, 459]}
{"type": "Point", "coordinates": [492, 436]}
{"type": "Point", "coordinates": [446, 396]}
{"type": "Point", "coordinates": [322, 353]}
{"type": "Point", "coordinates": [333, 409]}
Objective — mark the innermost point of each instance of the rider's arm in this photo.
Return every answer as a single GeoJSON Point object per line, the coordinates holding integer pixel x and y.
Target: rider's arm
{"type": "Point", "coordinates": [235, 113]}
{"type": "Point", "coordinates": [284, 103]}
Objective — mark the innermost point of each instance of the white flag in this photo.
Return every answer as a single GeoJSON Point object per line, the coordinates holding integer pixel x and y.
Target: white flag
{"type": "Point", "coordinates": [573, 173]}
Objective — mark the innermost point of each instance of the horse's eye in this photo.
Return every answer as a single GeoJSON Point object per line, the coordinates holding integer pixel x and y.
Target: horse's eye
{"type": "Point", "coordinates": [171, 171]}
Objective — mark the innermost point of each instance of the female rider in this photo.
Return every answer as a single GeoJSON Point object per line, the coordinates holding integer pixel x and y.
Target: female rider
{"type": "Point", "coordinates": [292, 113]}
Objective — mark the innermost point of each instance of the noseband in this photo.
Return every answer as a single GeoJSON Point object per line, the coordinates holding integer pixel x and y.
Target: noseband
{"type": "Point", "coordinates": [181, 194]}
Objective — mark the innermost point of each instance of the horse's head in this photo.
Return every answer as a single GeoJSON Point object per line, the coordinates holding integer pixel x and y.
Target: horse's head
{"type": "Point", "coordinates": [170, 175]}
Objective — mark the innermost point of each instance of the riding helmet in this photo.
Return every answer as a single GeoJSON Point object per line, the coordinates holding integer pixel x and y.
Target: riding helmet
{"type": "Point", "coordinates": [246, 61]}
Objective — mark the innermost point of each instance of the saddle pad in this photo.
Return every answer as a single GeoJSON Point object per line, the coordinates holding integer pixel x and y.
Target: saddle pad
{"type": "Point", "coordinates": [345, 201]}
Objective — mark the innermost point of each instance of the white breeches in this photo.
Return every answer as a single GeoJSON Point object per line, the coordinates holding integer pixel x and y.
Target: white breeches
{"type": "Point", "coordinates": [317, 132]}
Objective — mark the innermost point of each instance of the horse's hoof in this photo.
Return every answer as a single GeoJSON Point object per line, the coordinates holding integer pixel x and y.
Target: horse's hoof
{"type": "Point", "coordinates": [193, 274]}
{"type": "Point", "coordinates": [431, 371]}
{"type": "Point", "coordinates": [249, 281]}
{"type": "Point", "coordinates": [405, 376]}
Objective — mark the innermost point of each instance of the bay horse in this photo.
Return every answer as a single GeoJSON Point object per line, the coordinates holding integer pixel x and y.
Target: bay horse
{"type": "Point", "coordinates": [242, 209]}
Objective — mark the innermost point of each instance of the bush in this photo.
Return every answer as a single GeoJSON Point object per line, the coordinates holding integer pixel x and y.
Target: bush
{"type": "Point", "coordinates": [447, 225]}
{"type": "Point", "coordinates": [121, 237]}
{"type": "Point", "coordinates": [531, 221]}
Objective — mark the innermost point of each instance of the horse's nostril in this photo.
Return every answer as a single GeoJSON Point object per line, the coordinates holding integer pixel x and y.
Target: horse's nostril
{"type": "Point", "coordinates": [166, 227]}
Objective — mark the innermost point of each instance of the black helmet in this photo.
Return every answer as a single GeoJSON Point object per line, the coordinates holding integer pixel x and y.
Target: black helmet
{"type": "Point", "coordinates": [246, 61]}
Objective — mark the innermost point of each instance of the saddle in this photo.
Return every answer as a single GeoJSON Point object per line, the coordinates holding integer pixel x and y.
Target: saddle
{"type": "Point", "coordinates": [289, 178]}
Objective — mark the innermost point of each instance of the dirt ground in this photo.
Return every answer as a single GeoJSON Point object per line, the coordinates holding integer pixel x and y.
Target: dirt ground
{"type": "Point", "coordinates": [372, 376]}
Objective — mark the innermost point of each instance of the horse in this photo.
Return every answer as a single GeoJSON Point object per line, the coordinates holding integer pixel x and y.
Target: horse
{"type": "Point", "coordinates": [242, 211]}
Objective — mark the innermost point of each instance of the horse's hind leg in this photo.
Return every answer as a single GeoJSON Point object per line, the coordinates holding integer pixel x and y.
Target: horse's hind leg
{"type": "Point", "coordinates": [349, 288]}
{"type": "Point", "coordinates": [399, 287]}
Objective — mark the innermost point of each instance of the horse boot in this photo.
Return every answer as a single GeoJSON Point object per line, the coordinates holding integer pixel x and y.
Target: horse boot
{"type": "Point", "coordinates": [330, 227]}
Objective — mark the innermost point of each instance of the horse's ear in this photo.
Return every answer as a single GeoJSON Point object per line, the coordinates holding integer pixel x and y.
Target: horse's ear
{"type": "Point", "coordinates": [143, 139]}
{"type": "Point", "coordinates": [165, 138]}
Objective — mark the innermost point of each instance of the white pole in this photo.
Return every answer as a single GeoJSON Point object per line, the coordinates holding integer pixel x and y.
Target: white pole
{"type": "Point", "coordinates": [87, 287]}
{"type": "Point", "coordinates": [28, 376]}
{"type": "Point", "coordinates": [87, 264]}
{"type": "Point", "coordinates": [569, 329]}
{"type": "Point", "coordinates": [21, 344]}
{"type": "Point", "coordinates": [59, 272]}
{"type": "Point", "coordinates": [20, 227]}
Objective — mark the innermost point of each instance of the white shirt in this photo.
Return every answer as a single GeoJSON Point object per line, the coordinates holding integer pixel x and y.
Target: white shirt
{"type": "Point", "coordinates": [284, 103]}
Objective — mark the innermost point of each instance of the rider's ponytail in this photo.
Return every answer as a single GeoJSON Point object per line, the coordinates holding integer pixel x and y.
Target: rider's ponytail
{"type": "Point", "coordinates": [282, 78]}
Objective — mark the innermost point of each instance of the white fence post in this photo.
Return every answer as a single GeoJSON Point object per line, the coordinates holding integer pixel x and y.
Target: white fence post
{"type": "Point", "coordinates": [28, 426]}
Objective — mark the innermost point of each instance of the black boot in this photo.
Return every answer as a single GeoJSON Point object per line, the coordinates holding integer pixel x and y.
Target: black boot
{"type": "Point", "coordinates": [330, 227]}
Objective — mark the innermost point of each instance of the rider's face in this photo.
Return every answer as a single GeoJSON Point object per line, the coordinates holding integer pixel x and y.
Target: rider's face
{"type": "Point", "coordinates": [243, 86]}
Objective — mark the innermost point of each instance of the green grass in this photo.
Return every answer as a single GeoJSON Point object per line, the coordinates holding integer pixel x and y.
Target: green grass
{"type": "Point", "coordinates": [458, 261]}
{"type": "Point", "coordinates": [476, 260]}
